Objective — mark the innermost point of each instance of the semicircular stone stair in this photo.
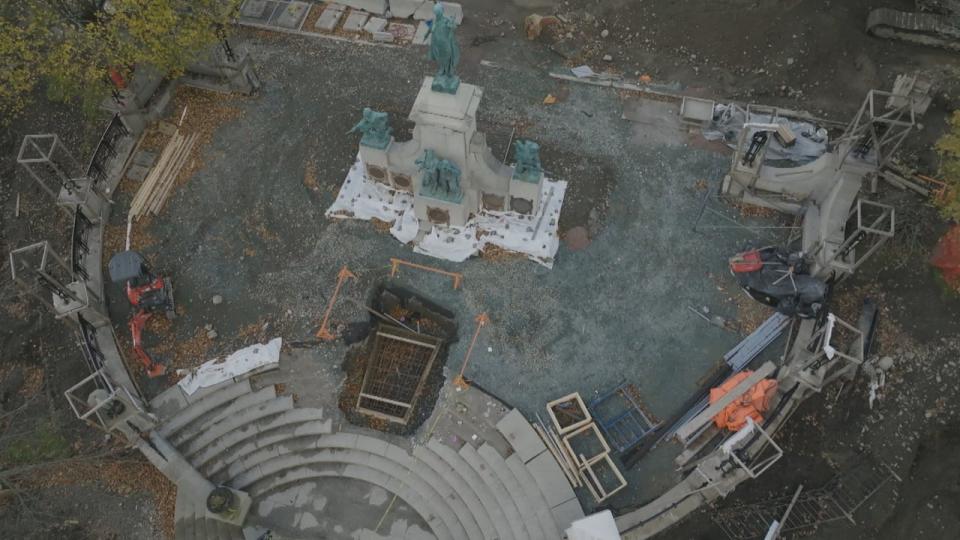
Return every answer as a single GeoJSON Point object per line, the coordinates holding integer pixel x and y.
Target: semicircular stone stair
{"type": "Point", "coordinates": [256, 441]}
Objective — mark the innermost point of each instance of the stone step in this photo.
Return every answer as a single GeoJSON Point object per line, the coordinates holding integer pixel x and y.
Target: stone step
{"type": "Point", "coordinates": [467, 493]}
{"type": "Point", "coordinates": [458, 466]}
{"type": "Point", "coordinates": [536, 498]}
{"type": "Point", "coordinates": [247, 400]}
{"type": "Point", "coordinates": [206, 528]}
{"type": "Point", "coordinates": [357, 472]}
{"type": "Point", "coordinates": [380, 448]}
{"type": "Point", "coordinates": [225, 465]}
{"type": "Point", "coordinates": [236, 420]}
{"type": "Point", "coordinates": [226, 531]}
{"type": "Point", "coordinates": [173, 400]}
{"type": "Point", "coordinates": [274, 466]}
{"type": "Point", "coordinates": [245, 439]}
{"type": "Point", "coordinates": [184, 520]}
{"type": "Point", "coordinates": [527, 510]}
{"type": "Point", "coordinates": [509, 506]}
{"type": "Point", "coordinates": [521, 435]}
{"type": "Point", "coordinates": [195, 410]}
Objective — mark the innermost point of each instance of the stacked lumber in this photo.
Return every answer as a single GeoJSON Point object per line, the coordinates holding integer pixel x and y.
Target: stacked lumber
{"type": "Point", "coordinates": [158, 184]}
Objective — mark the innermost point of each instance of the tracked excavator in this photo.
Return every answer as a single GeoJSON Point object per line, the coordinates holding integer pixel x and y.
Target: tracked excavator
{"type": "Point", "coordinates": [935, 23]}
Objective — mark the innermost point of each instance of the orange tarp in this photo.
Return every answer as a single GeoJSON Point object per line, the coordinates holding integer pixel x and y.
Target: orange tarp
{"type": "Point", "coordinates": [946, 256]}
{"type": "Point", "coordinates": [751, 404]}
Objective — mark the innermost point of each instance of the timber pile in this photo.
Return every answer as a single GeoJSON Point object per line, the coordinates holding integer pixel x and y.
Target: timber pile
{"type": "Point", "coordinates": [159, 182]}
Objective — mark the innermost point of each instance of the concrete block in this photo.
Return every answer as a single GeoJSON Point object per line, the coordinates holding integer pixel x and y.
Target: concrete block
{"type": "Point", "coordinates": [377, 7]}
{"type": "Point", "coordinates": [383, 37]}
{"type": "Point", "coordinates": [329, 18]}
{"type": "Point", "coordinates": [375, 24]}
{"type": "Point", "coordinates": [137, 172]}
{"type": "Point", "coordinates": [420, 38]}
{"type": "Point", "coordinates": [566, 513]}
{"type": "Point", "coordinates": [521, 436]}
{"type": "Point", "coordinates": [292, 16]}
{"type": "Point", "coordinates": [553, 483]}
{"type": "Point", "coordinates": [254, 8]}
{"type": "Point", "coordinates": [450, 9]}
{"type": "Point", "coordinates": [402, 9]}
{"type": "Point", "coordinates": [355, 21]}
{"type": "Point", "coordinates": [145, 158]}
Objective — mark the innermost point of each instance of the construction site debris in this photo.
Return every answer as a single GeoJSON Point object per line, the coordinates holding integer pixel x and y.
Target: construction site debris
{"type": "Point", "coordinates": [751, 404]}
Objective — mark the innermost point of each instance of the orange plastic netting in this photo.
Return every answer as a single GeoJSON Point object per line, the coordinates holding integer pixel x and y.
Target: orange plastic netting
{"type": "Point", "coordinates": [752, 404]}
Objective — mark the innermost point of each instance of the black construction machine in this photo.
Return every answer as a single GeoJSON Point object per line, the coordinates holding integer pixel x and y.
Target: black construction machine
{"type": "Point", "coordinates": [148, 293]}
{"type": "Point", "coordinates": [780, 279]}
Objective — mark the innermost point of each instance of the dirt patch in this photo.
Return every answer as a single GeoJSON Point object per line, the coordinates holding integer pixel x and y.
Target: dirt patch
{"type": "Point", "coordinates": [413, 312]}
{"type": "Point", "coordinates": [119, 477]}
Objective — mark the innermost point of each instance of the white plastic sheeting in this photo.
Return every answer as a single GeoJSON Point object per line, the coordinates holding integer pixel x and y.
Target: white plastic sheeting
{"type": "Point", "coordinates": [535, 236]}
{"type": "Point", "coordinates": [599, 526]}
{"type": "Point", "coordinates": [729, 119]}
{"type": "Point", "coordinates": [238, 363]}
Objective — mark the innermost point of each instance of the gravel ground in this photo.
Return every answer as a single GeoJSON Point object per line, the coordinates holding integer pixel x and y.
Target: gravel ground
{"type": "Point", "coordinates": [249, 228]}
{"type": "Point", "coordinates": [249, 225]}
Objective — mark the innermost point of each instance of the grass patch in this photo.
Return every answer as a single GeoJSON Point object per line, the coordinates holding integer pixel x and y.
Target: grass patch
{"type": "Point", "coordinates": [43, 444]}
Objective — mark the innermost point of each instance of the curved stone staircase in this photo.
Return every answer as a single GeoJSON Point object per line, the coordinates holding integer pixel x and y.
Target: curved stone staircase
{"type": "Point", "coordinates": [255, 441]}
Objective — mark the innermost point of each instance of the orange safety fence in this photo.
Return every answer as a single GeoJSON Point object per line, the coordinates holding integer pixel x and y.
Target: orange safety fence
{"type": "Point", "coordinates": [753, 403]}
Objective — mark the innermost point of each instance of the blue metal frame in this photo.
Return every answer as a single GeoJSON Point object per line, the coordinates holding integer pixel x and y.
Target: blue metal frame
{"type": "Point", "coordinates": [623, 428]}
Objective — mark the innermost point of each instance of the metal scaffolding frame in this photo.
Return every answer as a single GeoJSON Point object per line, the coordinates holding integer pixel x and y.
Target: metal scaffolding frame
{"type": "Point", "coordinates": [37, 268]}
{"type": "Point", "coordinates": [44, 155]}
{"type": "Point", "coordinates": [875, 134]}
{"type": "Point", "coordinates": [869, 225]}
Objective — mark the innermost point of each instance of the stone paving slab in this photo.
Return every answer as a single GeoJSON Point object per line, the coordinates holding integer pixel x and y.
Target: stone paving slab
{"type": "Point", "coordinates": [377, 7]}
{"type": "Point", "coordinates": [355, 21]}
{"type": "Point", "coordinates": [329, 18]}
{"type": "Point", "coordinates": [375, 24]}
{"type": "Point", "coordinates": [254, 8]}
{"type": "Point", "coordinates": [521, 436]}
{"type": "Point", "coordinates": [292, 16]}
{"type": "Point", "coordinates": [450, 9]}
{"type": "Point", "coordinates": [402, 9]}
{"type": "Point", "coordinates": [420, 37]}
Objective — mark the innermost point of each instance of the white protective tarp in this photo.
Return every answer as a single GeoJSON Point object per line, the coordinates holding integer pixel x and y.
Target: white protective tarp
{"type": "Point", "coordinates": [728, 122]}
{"type": "Point", "coordinates": [535, 236]}
{"type": "Point", "coordinates": [238, 363]}
{"type": "Point", "coordinates": [599, 526]}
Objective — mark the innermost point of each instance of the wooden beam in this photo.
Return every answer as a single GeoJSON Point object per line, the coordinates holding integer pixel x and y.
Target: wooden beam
{"type": "Point", "coordinates": [693, 426]}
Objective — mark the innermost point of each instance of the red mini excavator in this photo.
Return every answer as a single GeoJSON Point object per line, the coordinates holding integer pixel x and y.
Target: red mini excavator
{"type": "Point", "coordinates": [148, 294]}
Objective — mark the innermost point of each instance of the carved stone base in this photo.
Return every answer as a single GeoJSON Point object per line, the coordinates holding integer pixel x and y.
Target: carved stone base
{"type": "Point", "coordinates": [445, 83]}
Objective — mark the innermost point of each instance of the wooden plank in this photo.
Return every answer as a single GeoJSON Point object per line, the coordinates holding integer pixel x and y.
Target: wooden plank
{"type": "Point", "coordinates": [164, 182]}
{"type": "Point", "coordinates": [714, 409]}
{"type": "Point", "coordinates": [171, 174]}
{"type": "Point", "coordinates": [571, 463]}
{"type": "Point", "coordinates": [146, 188]}
{"type": "Point", "coordinates": [174, 172]}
